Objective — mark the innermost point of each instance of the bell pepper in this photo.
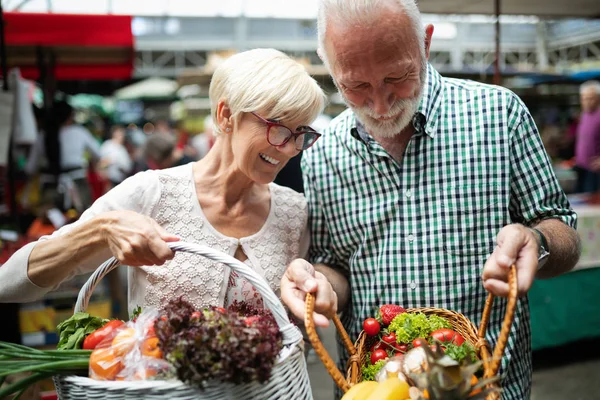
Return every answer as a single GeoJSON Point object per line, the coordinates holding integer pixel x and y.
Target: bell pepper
{"type": "Point", "coordinates": [110, 329]}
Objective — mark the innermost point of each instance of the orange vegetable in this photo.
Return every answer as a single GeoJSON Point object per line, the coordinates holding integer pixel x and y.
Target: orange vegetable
{"type": "Point", "coordinates": [104, 364]}
{"type": "Point", "coordinates": [124, 342]}
{"type": "Point", "coordinates": [150, 348]}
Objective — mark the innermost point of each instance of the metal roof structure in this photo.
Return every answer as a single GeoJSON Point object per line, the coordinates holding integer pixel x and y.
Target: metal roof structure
{"type": "Point", "coordinates": [298, 8]}
{"type": "Point", "coordinates": [540, 8]}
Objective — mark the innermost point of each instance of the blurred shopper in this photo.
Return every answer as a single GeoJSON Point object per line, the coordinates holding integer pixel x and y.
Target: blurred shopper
{"type": "Point", "coordinates": [587, 147]}
{"type": "Point", "coordinates": [202, 142]}
{"type": "Point", "coordinates": [160, 152]}
{"type": "Point", "coordinates": [115, 159]}
{"type": "Point", "coordinates": [63, 155]}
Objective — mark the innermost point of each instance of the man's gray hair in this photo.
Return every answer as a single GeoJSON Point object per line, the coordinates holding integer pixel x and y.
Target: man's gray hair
{"type": "Point", "coordinates": [595, 85]}
{"type": "Point", "coordinates": [361, 12]}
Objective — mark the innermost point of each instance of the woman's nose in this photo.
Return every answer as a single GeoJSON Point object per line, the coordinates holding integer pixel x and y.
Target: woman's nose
{"type": "Point", "coordinates": [289, 149]}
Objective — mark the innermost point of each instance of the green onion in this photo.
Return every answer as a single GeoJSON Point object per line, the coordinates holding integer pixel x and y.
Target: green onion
{"type": "Point", "coordinates": [15, 359]}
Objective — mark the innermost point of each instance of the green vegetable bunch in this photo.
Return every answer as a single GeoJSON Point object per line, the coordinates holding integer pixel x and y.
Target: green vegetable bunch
{"type": "Point", "coordinates": [409, 326]}
{"type": "Point", "coordinates": [73, 331]}
{"type": "Point", "coordinates": [370, 370]}
{"type": "Point", "coordinates": [464, 352]}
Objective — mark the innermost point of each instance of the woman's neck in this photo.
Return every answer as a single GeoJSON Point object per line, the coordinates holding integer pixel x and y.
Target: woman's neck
{"type": "Point", "coordinates": [218, 176]}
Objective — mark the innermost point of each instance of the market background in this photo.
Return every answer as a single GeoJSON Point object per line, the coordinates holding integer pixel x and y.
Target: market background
{"type": "Point", "coordinates": [146, 66]}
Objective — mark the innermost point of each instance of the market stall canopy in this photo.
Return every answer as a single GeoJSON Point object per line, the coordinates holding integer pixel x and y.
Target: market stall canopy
{"type": "Point", "coordinates": [541, 8]}
{"type": "Point", "coordinates": [83, 47]}
{"type": "Point", "coordinates": [149, 89]}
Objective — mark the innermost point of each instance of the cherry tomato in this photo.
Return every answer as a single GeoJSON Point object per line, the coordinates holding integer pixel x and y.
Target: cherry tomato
{"type": "Point", "coordinates": [389, 338]}
{"type": "Point", "coordinates": [378, 355]}
{"type": "Point", "coordinates": [401, 347]}
{"type": "Point", "coordinates": [418, 342]}
{"type": "Point", "coordinates": [371, 326]}
{"type": "Point", "coordinates": [107, 330]}
{"type": "Point", "coordinates": [195, 315]}
{"type": "Point", "coordinates": [447, 335]}
{"type": "Point", "coordinates": [377, 346]}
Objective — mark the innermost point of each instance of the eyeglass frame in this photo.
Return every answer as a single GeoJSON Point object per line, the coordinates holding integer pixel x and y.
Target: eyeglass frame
{"type": "Point", "coordinates": [295, 135]}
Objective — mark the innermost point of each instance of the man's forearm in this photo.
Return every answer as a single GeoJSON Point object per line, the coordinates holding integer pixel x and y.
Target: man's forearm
{"type": "Point", "coordinates": [564, 244]}
{"type": "Point", "coordinates": [339, 284]}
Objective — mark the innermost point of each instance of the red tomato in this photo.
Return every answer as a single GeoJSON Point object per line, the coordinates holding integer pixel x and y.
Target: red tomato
{"type": "Point", "coordinates": [418, 342]}
{"type": "Point", "coordinates": [195, 315]}
{"type": "Point", "coordinates": [377, 346]}
{"type": "Point", "coordinates": [401, 347]}
{"type": "Point", "coordinates": [371, 326]}
{"type": "Point", "coordinates": [447, 335]}
{"type": "Point", "coordinates": [109, 329]}
{"type": "Point", "coordinates": [389, 338]}
{"type": "Point", "coordinates": [378, 355]}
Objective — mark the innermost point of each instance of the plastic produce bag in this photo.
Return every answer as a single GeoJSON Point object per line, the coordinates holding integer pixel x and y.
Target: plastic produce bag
{"type": "Point", "coordinates": [132, 354]}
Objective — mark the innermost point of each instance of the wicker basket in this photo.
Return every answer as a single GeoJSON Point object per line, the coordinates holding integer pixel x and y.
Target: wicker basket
{"type": "Point", "coordinates": [289, 378]}
{"type": "Point", "coordinates": [461, 324]}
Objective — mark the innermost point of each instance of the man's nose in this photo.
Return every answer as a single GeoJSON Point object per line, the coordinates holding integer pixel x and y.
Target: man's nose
{"type": "Point", "coordinates": [382, 102]}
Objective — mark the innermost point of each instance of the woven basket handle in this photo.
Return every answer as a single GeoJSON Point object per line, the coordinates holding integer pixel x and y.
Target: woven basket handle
{"type": "Point", "coordinates": [492, 362]}
{"type": "Point", "coordinates": [291, 334]}
{"type": "Point", "coordinates": [311, 331]}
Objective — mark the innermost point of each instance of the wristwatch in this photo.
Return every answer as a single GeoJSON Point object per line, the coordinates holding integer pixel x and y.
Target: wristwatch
{"type": "Point", "coordinates": [543, 249]}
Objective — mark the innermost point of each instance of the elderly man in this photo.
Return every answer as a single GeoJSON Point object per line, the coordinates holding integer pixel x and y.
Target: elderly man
{"type": "Point", "coordinates": [426, 190]}
{"type": "Point", "coordinates": [587, 149]}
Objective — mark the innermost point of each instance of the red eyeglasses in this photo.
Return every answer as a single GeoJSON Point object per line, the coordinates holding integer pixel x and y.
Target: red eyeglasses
{"type": "Point", "coordinates": [278, 135]}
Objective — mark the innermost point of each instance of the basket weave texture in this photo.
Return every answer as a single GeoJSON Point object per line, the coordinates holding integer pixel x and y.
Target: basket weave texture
{"type": "Point", "coordinates": [289, 377]}
{"type": "Point", "coordinates": [461, 324]}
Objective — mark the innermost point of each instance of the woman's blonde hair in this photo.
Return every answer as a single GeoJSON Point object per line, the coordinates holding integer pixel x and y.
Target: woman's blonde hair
{"type": "Point", "coordinates": [265, 81]}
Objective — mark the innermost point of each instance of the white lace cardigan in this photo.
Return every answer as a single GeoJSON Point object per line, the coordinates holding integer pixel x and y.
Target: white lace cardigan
{"type": "Point", "coordinates": [169, 197]}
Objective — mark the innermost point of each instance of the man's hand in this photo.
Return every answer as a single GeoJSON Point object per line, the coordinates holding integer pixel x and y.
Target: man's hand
{"type": "Point", "coordinates": [517, 245]}
{"type": "Point", "coordinates": [301, 278]}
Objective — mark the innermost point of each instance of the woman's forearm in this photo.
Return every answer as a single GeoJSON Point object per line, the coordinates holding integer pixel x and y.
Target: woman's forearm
{"type": "Point", "coordinates": [52, 261]}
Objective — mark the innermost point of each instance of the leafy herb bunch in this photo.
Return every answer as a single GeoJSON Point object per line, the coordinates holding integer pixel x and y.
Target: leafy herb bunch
{"type": "Point", "coordinates": [236, 345]}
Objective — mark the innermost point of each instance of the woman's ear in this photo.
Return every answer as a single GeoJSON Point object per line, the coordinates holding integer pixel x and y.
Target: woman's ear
{"type": "Point", "coordinates": [224, 117]}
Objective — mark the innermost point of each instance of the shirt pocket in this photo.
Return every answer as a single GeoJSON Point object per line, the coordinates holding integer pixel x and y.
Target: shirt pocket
{"type": "Point", "coordinates": [471, 217]}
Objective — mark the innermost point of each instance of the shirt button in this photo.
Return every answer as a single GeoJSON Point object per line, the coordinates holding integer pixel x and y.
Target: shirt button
{"type": "Point", "coordinates": [411, 238]}
{"type": "Point", "coordinates": [413, 285]}
{"type": "Point", "coordinates": [408, 193]}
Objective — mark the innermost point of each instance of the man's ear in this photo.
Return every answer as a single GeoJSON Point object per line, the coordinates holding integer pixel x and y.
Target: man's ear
{"type": "Point", "coordinates": [320, 54]}
{"type": "Point", "coordinates": [428, 35]}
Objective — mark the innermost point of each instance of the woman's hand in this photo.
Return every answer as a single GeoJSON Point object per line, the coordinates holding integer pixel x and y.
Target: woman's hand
{"type": "Point", "coordinates": [301, 278]}
{"type": "Point", "coordinates": [136, 239]}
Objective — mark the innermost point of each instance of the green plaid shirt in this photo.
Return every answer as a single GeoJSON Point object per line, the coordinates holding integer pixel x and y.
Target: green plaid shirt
{"type": "Point", "coordinates": [417, 233]}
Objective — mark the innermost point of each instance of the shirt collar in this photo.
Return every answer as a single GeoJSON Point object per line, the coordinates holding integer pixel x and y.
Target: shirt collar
{"type": "Point", "coordinates": [427, 113]}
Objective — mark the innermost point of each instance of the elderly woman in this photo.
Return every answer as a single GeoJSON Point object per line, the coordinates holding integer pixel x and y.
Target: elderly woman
{"type": "Point", "coordinates": [262, 103]}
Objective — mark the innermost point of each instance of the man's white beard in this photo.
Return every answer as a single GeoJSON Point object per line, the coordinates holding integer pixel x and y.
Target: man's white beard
{"type": "Point", "coordinates": [392, 127]}
{"type": "Point", "coordinates": [403, 110]}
